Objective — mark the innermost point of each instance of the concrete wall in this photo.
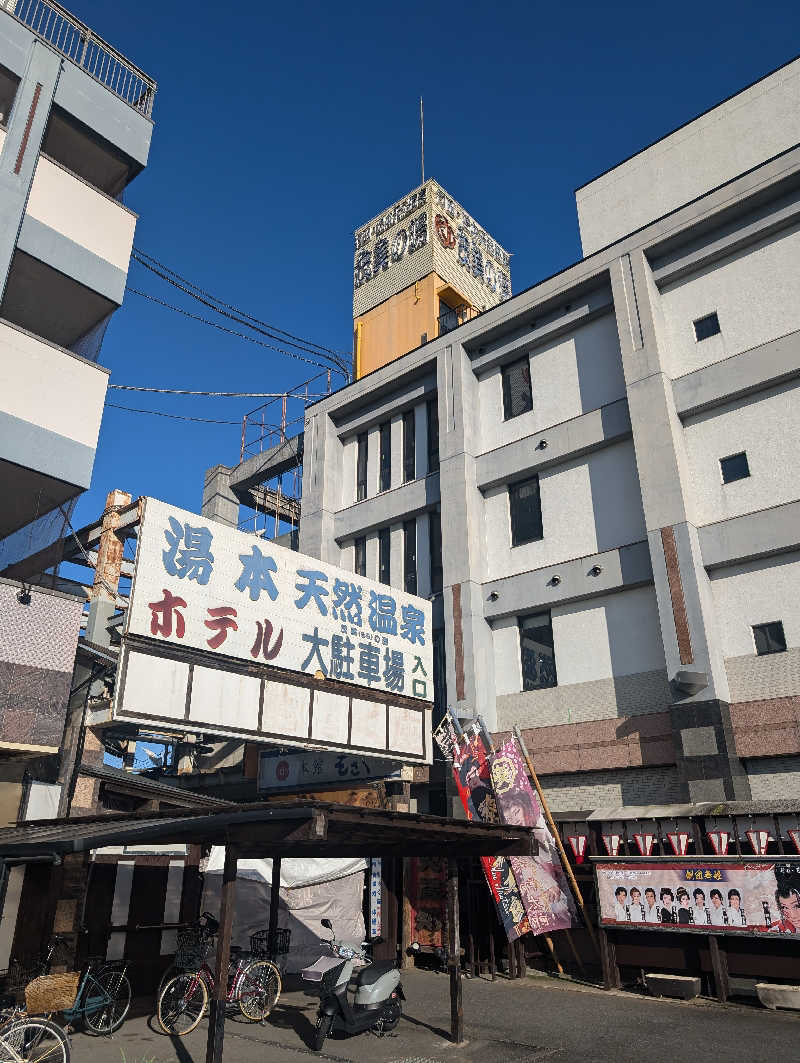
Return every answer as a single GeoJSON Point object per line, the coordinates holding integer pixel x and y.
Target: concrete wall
{"type": "Point", "coordinates": [756, 592]}
{"type": "Point", "coordinates": [767, 427]}
{"type": "Point", "coordinates": [755, 125]}
{"type": "Point", "coordinates": [78, 211]}
{"type": "Point", "coordinates": [51, 404]}
{"type": "Point", "coordinates": [610, 789]}
{"type": "Point", "coordinates": [756, 294]}
{"type": "Point", "coordinates": [588, 504]}
{"type": "Point", "coordinates": [775, 778]}
{"type": "Point", "coordinates": [569, 376]}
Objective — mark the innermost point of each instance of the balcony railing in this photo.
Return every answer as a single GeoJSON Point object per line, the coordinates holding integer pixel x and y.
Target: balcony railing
{"type": "Point", "coordinates": [62, 31]}
{"type": "Point", "coordinates": [451, 319]}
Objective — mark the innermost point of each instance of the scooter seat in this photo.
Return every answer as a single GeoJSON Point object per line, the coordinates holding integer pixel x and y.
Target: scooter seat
{"type": "Point", "coordinates": [371, 974]}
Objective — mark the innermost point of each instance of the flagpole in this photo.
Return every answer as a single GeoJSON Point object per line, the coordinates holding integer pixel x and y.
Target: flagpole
{"type": "Point", "coordinates": [556, 837]}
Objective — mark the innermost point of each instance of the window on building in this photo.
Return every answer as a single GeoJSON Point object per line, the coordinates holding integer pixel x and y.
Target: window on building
{"type": "Point", "coordinates": [410, 556]}
{"type": "Point", "coordinates": [435, 543]}
{"type": "Point", "coordinates": [538, 656]}
{"type": "Point", "coordinates": [361, 468]}
{"type": "Point", "coordinates": [705, 327]}
{"type": "Point", "coordinates": [409, 447]}
{"type": "Point", "coordinates": [734, 467]}
{"type": "Point", "coordinates": [384, 556]}
{"type": "Point", "coordinates": [433, 435]}
{"type": "Point", "coordinates": [386, 456]}
{"type": "Point", "coordinates": [769, 638]}
{"type": "Point", "coordinates": [517, 394]}
{"type": "Point", "coordinates": [526, 512]}
{"type": "Point", "coordinates": [361, 556]}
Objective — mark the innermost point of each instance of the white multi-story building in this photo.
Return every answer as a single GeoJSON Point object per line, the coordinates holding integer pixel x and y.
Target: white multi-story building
{"type": "Point", "coordinates": [598, 480]}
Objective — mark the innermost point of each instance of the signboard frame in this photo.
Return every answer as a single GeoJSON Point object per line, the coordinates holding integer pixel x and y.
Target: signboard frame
{"type": "Point", "coordinates": [633, 866]}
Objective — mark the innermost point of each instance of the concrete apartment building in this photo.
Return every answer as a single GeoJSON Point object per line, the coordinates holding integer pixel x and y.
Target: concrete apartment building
{"type": "Point", "coordinates": [75, 129]}
{"type": "Point", "coordinates": [597, 479]}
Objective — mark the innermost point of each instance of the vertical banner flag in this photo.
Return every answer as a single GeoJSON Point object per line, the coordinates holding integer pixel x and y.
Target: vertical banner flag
{"type": "Point", "coordinates": [375, 897]}
{"type": "Point", "coordinates": [472, 779]}
{"type": "Point", "coordinates": [541, 880]}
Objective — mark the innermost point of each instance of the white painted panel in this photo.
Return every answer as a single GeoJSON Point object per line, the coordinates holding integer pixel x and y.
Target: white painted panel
{"type": "Point", "coordinates": [224, 698]}
{"type": "Point", "coordinates": [286, 709]}
{"type": "Point", "coordinates": [369, 724]}
{"type": "Point", "coordinates": [767, 428]}
{"type": "Point", "coordinates": [405, 731]}
{"type": "Point", "coordinates": [43, 798]}
{"type": "Point", "coordinates": [756, 592]}
{"type": "Point", "coordinates": [120, 907]}
{"type": "Point", "coordinates": [329, 721]}
{"type": "Point", "coordinates": [8, 921]}
{"type": "Point", "coordinates": [172, 906]}
{"type": "Point", "coordinates": [155, 686]}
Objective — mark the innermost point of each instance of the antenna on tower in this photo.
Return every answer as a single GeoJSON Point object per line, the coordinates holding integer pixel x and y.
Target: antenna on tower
{"type": "Point", "coordinates": [422, 136]}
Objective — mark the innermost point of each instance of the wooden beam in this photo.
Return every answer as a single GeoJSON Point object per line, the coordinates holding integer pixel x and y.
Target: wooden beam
{"type": "Point", "coordinates": [719, 965]}
{"type": "Point", "coordinates": [454, 955]}
{"type": "Point", "coordinates": [216, 1017]}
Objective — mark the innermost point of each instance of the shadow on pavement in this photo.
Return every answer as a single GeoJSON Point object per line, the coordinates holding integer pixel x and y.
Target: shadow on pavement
{"type": "Point", "coordinates": [445, 1034]}
{"type": "Point", "coordinates": [291, 1017]}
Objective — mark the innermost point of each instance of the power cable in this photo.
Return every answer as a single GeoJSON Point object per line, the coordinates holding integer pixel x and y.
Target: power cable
{"type": "Point", "coordinates": [229, 331]}
{"type": "Point", "coordinates": [139, 254]}
{"type": "Point", "coordinates": [213, 394]}
{"type": "Point", "coordinates": [172, 416]}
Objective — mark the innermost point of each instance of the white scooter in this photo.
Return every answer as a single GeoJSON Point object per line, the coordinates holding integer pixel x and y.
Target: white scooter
{"type": "Point", "coordinates": [378, 993]}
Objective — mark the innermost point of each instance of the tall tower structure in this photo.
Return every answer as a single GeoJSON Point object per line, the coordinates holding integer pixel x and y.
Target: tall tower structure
{"type": "Point", "coordinates": [421, 268]}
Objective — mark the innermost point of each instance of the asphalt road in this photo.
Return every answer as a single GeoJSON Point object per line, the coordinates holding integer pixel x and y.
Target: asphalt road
{"type": "Point", "coordinates": [505, 1022]}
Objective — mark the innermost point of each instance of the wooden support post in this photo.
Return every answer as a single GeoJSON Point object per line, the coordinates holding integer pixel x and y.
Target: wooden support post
{"type": "Point", "coordinates": [274, 901]}
{"type": "Point", "coordinates": [557, 837]}
{"type": "Point", "coordinates": [512, 960]}
{"type": "Point", "coordinates": [551, 949]}
{"type": "Point", "coordinates": [454, 955]}
{"type": "Point", "coordinates": [216, 1016]}
{"type": "Point", "coordinates": [608, 958]}
{"type": "Point", "coordinates": [522, 959]}
{"type": "Point", "coordinates": [492, 962]}
{"type": "Point", "coordinates": [575, 953]}
{"type": "Point", "coordinates": [406, 955]}
{"type": "Point", "coordinates": [719, 965]}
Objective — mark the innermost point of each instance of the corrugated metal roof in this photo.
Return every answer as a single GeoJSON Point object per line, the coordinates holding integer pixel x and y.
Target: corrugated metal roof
{"type": "Point", "coordinates": [702, 808]}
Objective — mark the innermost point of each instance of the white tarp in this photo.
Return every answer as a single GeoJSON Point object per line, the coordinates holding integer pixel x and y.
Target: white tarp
{"type": "Point", "coordinates": [311, 890]}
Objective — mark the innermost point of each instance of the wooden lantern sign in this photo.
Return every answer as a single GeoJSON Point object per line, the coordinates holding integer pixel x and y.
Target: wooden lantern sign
{"type": "Point", "coordinates": [794, 834]}
{"type": "Point", "coordinates": [578, 843]}
{"type": "Point", "coordinates": [644, 843]}
{"type": "Point", "coordinates": [611, 842]}
{"type": "Point", "coordinates": [719, 841]}
{"type": "Point", "coordinates": [679, 840]}
{"type": "Point", "coordinates": [759, 839]}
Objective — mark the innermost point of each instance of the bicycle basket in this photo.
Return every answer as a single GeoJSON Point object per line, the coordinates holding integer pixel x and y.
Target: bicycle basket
{"type": "Point", "coordinates": [51, 992]}
{"type": "Point", "coordinates": [193, 947]}
{"type": "Point", "coordinates": [268, 946]}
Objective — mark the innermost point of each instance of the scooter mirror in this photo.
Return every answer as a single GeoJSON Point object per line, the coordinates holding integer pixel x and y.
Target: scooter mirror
{"type": "Point", "coordinates": [327, 924]}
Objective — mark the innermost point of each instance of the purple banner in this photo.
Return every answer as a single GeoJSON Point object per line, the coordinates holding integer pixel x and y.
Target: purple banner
{"type": "Point", "coordinates": [541, 880]}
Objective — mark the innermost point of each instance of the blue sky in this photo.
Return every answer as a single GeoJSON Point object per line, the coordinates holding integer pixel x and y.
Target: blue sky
{"type": "Point", "coordinates": [279, 128]}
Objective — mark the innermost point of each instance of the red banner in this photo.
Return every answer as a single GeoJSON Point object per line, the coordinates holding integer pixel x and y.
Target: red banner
{"type": "Point", "coordinates": [427, 894]}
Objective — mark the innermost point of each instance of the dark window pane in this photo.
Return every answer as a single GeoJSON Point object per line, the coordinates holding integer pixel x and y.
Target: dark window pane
{"type": "Point", "coordinates": [538, 657]}
{"type": "Point", "coordinates": [361, 557]}
{"type": "Point", "coordinates": [384, 563]}
{"type": "Point", "coordinates": [517, 396]}
{"type": "Point", "coordinates": [769, 638]}
{"type": "Point", "coordinates": [526, 512]}
{"type": "Point", "coordinates": [361, 468]}
{"type": "Point", "coordinates": [706, 326]}
{"type": "Point", "coordinates": [734, 468]}
{"type": "Point", "coordinates": [433, 435]}
{"type": "Point", "coordinates": [409, 447]}
{"type": "Point", "coordinates": [410, 556]}
{"type": "Point", "coordinates": [437, 575]}
{"type": "Point", "coordinates": [386, 456]}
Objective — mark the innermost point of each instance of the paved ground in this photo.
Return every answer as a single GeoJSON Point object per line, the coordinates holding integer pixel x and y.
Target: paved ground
{"type": "Point", "coordinates": [505, 1022]}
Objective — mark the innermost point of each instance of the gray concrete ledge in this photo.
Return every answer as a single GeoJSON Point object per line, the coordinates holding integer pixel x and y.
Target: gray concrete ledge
{"type": "Point", "coordinates": [280, 458]}
{"type": "Point", "coordinates": [71, 259]}
{"type": "Point", "coordinates": [759, 534]}
{"type": "Point", "coordinates": [742, 374]}
{"type": "Point", "coordinates": [621, 569]}
{"type": "Point", "coordinates": [389, 507]}
{"type": "Point", "coordinates": [564, 441]}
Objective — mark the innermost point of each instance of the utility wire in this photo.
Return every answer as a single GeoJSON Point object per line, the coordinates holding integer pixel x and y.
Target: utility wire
{"type": "Point", "coordinates": [229, 331]}
{"type": "Point", "coordinates": [221, 308]}
{"type": "Point", "coordinates": [139, 254]}
{"type": "Point", "coordinates": [214, 394]}
{"type": "Point", "coordinates": [172, 416]}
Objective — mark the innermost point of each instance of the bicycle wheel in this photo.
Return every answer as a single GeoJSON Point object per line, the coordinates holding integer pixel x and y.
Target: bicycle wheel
{"type": "Point", "coordinates": [106, 1001]}
{"type": "Point", "coordinates": [259, 990]}
{"type": "Point", "coordinates": [33, 1041]}
{"type": "Point", "coordinates": [182, 1003]}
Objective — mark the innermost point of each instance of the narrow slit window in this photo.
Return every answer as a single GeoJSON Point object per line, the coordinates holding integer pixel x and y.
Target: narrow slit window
{"type": "Point", "coordinates": [538, 653]}
{"type": "Point", "coordinates": [361, 556]}
{"type": "Point", "coordinates": [410, 556]}
{"type": "Point", "coordinates": [409, 447]}
{"type": "Point", "coordinates": [517, 393]}
{"type": "Point", "coordinates": [386, 455]}
{"type": "Point", "coordinates": [433, 435]}
{"type": "Point", "coordinates": [526, 512]}
{"type": "Point", "coordinates": [361, 468]}
{"type": "Point", "coordinates": [384, 557]}
{"type": "Point", "coordinates": [706, 327]}
{"type": "Point", "coordinates": [734, 467]}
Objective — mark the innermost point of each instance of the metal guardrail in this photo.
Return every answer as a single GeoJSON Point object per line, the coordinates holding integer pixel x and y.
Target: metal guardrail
{"type": "Point", "coordinates": [68, 35]}
{"type": "Point", "coordinates": [451, 318]}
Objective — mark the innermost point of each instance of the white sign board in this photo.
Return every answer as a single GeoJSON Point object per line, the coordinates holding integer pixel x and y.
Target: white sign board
{"type": "Point", "coordinates": [314, 768]}
{"type": "Point", "coordinates": [230, 634]}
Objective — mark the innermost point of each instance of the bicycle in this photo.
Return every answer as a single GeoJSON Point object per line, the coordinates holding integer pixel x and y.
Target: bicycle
{"type": "Point", "coordinates": [254, 982]}
{"type": "Point", "coordinates": [31, 1039]}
